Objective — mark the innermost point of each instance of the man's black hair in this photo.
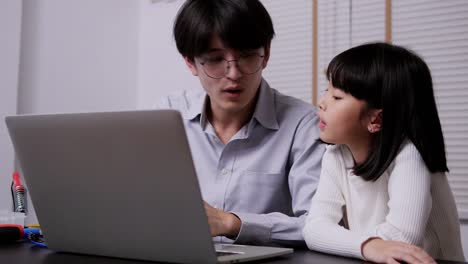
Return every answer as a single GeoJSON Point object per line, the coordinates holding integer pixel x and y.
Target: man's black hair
{"type": "Point", "coordinates": [240, 24]}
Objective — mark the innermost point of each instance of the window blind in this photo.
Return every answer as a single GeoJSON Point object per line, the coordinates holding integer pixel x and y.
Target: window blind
{"type": "Point", "coordinates": [438, 31]}
{"type": "Point", "coordinates": [367, 21]}
{"type": "Point", "coordinates": [344, 24]}
{"type": "Point", "coordinates": [290, 66]}
{"type": "Point", "coordinates": [334, 35]}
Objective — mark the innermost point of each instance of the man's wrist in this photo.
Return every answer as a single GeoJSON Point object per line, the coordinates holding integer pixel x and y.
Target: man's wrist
{"type": "Point", "coordinates": [232, 225]}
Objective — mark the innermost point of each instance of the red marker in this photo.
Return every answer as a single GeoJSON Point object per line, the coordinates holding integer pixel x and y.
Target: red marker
{"type": "Point", "coordinates": [19, 194]}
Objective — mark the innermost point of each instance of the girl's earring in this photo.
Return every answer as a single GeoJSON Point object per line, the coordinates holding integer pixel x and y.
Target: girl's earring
{"type": "Point", "coordinates": [371, 129]}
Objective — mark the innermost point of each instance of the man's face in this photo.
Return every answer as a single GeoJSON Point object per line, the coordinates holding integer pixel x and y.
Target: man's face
{"type": "Point", "coordinates": [232, 89]}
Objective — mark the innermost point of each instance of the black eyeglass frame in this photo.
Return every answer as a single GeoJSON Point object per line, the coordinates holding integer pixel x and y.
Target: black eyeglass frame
{"type": "Point", "coordinates": [262, 57]}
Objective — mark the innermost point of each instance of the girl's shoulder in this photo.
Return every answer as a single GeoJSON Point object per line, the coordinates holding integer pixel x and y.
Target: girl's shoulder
{"type": "Point", "coordinates": [408, 152]}
{"type": "Point", "coordinates": [408, 157]}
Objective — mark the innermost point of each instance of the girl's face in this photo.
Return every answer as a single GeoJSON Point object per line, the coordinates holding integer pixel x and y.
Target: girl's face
{"type": "Point", "coordinates": [343, 118]}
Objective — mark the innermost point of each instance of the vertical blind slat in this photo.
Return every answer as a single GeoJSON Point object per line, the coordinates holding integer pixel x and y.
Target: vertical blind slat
{"type": "Point", "coordinates": [433, 37]}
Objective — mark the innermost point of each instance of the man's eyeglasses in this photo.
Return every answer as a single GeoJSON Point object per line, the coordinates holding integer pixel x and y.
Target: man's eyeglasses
{"type": "Point", "coordinates": [217, 67]}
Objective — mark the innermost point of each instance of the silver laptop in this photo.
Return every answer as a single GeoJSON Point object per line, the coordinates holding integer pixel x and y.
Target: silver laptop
{"type": "Point", "coordinates": [119, 184]}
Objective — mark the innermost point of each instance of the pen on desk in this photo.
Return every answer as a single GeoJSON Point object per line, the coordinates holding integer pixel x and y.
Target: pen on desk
{"type": "Point", "coordinates": [18, 192]}
{"type": "Point", "coordinates": [11, 232]}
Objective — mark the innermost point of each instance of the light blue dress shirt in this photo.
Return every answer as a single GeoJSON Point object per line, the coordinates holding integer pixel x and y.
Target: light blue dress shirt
{"type": "Point", "coordinates": [266, 174]}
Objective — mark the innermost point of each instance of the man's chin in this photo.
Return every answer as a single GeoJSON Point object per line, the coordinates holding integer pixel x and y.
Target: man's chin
{"type": "Point", "coordinates": [235, 109]}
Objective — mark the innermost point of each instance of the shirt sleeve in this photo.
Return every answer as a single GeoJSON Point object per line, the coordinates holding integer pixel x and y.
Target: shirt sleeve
{"type": "Point", "coordinates": [175, 101]}
{"type": "Point", "coordinates": [305, 159]}
{"type": "Point", "coordinates": [410, 200]}
{"type": "Point", "coordinates": [322, 231]}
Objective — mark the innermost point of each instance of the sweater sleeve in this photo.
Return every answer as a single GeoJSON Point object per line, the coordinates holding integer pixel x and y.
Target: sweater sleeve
{"type": "Point", "coordinates": [322, 231]}
{"type": "Point", "coordinates": [410, 200]}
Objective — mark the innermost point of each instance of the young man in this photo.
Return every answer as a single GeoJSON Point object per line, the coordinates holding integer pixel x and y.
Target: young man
{"type": "Point", "coordinates": [255, 150]}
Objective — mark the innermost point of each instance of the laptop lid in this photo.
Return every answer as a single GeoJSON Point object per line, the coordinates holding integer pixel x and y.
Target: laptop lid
{"type": "Point", "coordinates": [118, 184]}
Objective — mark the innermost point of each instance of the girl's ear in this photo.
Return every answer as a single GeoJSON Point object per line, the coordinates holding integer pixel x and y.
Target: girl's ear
{"type": "Point", "coordinates": [191, 65]}
{"type": "Point", "coordinates": [375, 124]}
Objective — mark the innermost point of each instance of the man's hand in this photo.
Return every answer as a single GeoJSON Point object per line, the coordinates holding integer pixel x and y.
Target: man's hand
{"type": "Point", "coordinates": [383, 251]}
{"type": "Point", "coordinates": [222, 223]}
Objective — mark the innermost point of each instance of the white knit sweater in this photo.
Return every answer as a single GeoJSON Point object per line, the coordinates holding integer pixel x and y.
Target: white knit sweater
{"type": "Point", "coordinates": [407, 203]}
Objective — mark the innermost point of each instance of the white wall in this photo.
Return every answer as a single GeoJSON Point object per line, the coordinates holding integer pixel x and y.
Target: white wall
{"type": "Point", "coordinates": [78, 55]}
{"type": "Point", "coordinates": [162, 71]}
{"type": "Point", "coordinates": [10, 24]}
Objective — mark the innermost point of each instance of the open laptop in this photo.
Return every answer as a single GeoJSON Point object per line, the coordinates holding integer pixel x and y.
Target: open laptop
{"type": "Point", "coordinates": [119, 184]}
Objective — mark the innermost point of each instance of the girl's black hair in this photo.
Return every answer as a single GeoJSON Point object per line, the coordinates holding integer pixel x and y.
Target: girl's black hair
{"type": "Point", "coordinates": [399, 82]}
{"type": "Point", "coordinates": [240, 24]}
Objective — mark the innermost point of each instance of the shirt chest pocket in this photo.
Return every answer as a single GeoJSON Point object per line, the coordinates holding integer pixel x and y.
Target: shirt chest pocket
{"type": "Point", "coordinates": [261, 192]}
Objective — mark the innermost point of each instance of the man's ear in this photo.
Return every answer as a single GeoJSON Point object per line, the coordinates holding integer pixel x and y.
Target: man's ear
{"type": "Point", "coordinates": [191, 65]}
{"type": "Point", "coordinates": [375, 124]}
{"type": "Point", "coordinates": [267, 56]}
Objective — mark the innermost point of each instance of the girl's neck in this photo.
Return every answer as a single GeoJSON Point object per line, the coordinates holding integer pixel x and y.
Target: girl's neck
{"type": "Point", "coordinates": [360, 150]}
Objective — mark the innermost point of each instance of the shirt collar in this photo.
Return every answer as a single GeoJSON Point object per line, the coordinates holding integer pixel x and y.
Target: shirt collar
{"type": "Point", "coordinates": [197, 108]}
{"type": "Point", "coordinates": [265, 109]}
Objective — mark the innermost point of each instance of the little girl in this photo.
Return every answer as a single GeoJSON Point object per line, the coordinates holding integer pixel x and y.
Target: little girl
{"type": "Point", "coordinates": [383, 194]}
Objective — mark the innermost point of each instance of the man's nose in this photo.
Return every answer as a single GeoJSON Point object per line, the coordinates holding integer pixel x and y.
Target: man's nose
{"type": "Point", "coordinates": [232, 70]}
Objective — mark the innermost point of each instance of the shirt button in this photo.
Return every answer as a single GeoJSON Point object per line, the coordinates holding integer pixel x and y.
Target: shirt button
{"type": "Point", "coordinates": [224, 172]}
